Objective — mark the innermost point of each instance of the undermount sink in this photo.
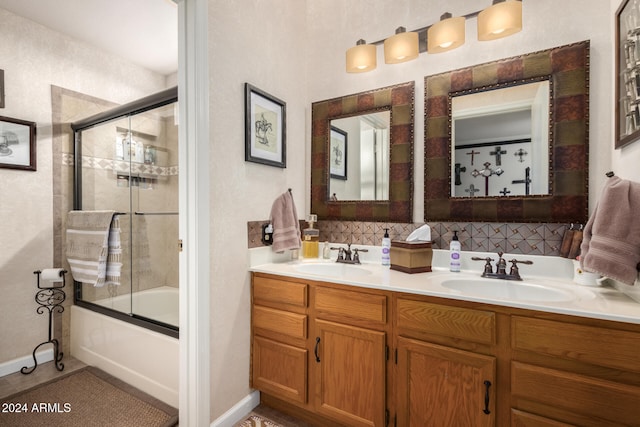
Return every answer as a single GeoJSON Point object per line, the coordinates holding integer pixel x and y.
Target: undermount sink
{"type": "Point", "coordinates": [333, 270]}
{"type": "Point", "coordinates": [507, 290]}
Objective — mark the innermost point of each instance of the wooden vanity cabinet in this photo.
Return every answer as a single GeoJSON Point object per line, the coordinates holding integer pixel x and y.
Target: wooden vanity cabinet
{"type": "Point", "coordinates": [337, 372]}
{"type": "Point", "coordinates": [350, 356]}
{"type": "Point", "coordinates": [446, 368]}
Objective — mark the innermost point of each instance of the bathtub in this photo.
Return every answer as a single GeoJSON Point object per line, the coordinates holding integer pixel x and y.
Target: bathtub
{"type": "Point", "coordinates": [141, 357]}
{"type": "Point", "coordinates": [158, 304]}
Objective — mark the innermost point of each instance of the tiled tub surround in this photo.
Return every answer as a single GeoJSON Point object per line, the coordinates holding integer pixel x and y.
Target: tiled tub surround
{"type": "Point", "coordinates": [524, 238]}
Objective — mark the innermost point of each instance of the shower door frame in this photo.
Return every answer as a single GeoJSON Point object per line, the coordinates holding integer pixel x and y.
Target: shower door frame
{"type": "Point", "coordinates": [151, 102]}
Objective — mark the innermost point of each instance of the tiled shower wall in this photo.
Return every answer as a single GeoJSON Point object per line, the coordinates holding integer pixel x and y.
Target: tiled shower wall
{"type": "Point", "coordinates": [523, 238]}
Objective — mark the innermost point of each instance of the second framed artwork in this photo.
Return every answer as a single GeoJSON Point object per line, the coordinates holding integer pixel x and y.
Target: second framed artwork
{"type": "Point", "coordinates": [265, 128]}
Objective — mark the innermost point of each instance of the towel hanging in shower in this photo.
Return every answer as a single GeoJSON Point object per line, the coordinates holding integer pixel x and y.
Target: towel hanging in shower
{"type": "Point", "coordinates": [87, 246]}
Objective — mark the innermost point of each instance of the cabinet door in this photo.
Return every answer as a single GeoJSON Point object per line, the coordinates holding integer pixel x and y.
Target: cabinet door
{"type": "Point", "coordinates": [440, 386]}
{"type": "Point", "coordinates": [350, 374]}
{"type": "Point", "coordinates": [279, 369]}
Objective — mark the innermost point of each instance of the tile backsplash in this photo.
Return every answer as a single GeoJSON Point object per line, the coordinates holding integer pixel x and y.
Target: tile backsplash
{"type": "Point", "coordinates": [524, 238]}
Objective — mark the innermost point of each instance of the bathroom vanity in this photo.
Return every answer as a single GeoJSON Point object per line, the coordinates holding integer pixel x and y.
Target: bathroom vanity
{"type": "Point", "coordinates": [368, 346]}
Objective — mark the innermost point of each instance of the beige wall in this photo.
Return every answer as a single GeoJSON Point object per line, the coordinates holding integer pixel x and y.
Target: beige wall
{"type": "Point", "coordinates": [263, 43]}
{"type": "Point", "coordinates": [34, 58]}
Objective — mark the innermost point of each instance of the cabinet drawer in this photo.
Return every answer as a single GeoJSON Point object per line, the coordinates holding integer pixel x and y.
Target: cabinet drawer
{"type": "Point", "coordinates": [282, 322]}
{"type": "Point", "coordinates": [599, 346]}
{"type": "Point", "coordinates": [332, 303]}
{"type": "Point", "coordinates": [268, 291]}
{"type": "Point", "coordinates": [425, 318]}
{"type": "Point", "coordinates": [588, 398]}
{"type": "Point", "coordinates": [279, 369]}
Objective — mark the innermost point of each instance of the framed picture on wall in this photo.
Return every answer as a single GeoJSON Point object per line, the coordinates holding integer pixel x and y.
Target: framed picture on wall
{"type": "Point", "coordinates": [265, 128]}
{"type": "Point", "coordinates": [627, 38]}
{"type": "Point", "coordinates": [17, 144]}
{"type": "Point", "coordinates": [1, 88]}
{"type": "Point", "coordinates": [338, 150]}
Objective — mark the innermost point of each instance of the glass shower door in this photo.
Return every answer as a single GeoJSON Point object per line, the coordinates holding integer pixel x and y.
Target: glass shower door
{"type": "Point", "coordinates": [106, 187]}
{"type": "Point", "coordinates": [130, 165]}
{"type": "Point", "coordinates": [154, 207]}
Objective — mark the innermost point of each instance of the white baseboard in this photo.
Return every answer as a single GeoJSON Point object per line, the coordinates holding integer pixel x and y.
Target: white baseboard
{"type": "Point", "coordinates": [13, 366]}
{"type": "Point", "coordinates": [238, 411]}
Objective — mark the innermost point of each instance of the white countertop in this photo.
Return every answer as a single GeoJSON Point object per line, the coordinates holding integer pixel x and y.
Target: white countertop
{"type": "Point", "coordinates": [604, 302]}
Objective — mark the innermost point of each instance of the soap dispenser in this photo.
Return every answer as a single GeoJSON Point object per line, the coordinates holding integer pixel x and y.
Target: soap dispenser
{"type": "Point", "coordinates": [310, 237]}
{"type": "Point", "coordinates": [454, 253]}
{"type": "Point", "coordinates": [386, 248]}
{"type": "Point", "coordinates": [326, 251]}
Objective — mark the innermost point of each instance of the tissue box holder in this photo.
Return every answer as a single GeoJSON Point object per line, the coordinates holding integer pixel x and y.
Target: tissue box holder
{"type": "Point", "coordinates": [411, 257]}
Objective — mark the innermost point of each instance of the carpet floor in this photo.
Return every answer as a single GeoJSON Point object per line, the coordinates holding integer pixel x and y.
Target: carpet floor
{"type": "Point", "coordinates": [87, 397]}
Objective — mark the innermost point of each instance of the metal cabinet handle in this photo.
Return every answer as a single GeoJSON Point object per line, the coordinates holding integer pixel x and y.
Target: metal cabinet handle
{"type": "Point", "coordinates": [486, 410]}
{"type": "Point", "coordinates": [315, 350]}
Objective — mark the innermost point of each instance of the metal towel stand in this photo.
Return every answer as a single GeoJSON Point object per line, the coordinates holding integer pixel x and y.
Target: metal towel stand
{"type": "Point", "coordinates": [51, 299]}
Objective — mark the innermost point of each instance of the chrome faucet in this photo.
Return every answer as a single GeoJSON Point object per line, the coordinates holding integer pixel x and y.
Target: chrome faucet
{"type": "Point", "coordinates": [501, 268]}
{"type": "Point", "coordinates": [347, 255]}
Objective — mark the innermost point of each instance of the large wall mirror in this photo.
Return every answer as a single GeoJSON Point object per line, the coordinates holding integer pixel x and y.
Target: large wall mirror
{"type": "Point", "coordinates": [362, 156]}
{"type": "Point", "coordinates": [508, 140]}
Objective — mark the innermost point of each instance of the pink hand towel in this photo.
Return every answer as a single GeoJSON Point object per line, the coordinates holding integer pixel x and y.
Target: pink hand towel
{"type": "Point", "coordinates": [611, 245]}
{"type": "Point", "coordinates": [286, 228]}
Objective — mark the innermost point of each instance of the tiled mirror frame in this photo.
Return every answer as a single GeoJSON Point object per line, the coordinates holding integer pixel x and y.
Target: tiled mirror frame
{"type": "Point", "coordinates": [399, 99]}
{"type": "Point", "coordinates": [568, 70]}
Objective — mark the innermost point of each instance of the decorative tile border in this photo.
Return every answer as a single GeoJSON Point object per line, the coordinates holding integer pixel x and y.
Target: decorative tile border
{"type": "Point", "coordinates": [519, 238]}
{"type": "Point", "coordinates": [121, 166]}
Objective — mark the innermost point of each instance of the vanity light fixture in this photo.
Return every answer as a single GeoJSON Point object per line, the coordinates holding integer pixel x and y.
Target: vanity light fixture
{"type": "Point", "coordinates": [361, 57]}
{"type": "Point", "coordinates": [401, 47]}
{"type": "Point", "coordinates": [447, 34]}
{"type": "Point", "coordinates": [501, 19]}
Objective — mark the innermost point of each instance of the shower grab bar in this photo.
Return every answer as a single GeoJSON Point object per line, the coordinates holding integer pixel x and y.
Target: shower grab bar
{"type": "Point", "coordinates": [147, 213]}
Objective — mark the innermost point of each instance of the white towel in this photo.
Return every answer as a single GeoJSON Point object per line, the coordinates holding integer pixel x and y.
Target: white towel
{"type": "Point", "coordinates": [114, 253]}
{"type": "Point", "coordinates": [286, 228]}
{"type": "Point", "coordinates": [87, 245]}
{"type": "Point", "coordinates": [611, 243]}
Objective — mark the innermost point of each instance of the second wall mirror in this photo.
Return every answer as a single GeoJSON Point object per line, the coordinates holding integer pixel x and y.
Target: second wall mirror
{"type": "Point", "coordinates": [508, 140]}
